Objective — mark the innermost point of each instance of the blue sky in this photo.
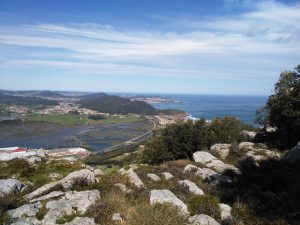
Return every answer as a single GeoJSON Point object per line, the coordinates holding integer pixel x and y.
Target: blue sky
{"type": "Point", "coordinates": [155, 46]}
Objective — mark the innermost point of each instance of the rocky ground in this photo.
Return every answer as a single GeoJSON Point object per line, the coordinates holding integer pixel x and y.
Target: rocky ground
{"type": "Point", "coordinates": [85, 195]}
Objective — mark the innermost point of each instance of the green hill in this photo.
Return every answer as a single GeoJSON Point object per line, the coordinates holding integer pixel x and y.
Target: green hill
{"type": "Point", "coordinates": [114, 104]}
{"type": "Point", "coordinates": [19, 100]}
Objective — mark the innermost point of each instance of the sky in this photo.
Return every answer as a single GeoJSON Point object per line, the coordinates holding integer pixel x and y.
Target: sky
{"type": "Point", "coordinates": [236, 47]}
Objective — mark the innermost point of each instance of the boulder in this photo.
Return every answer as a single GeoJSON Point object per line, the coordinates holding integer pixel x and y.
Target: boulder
{"type": "Point", "coordinates": [225, 211]}
{"type": "Point", "coordinates": [221, 167]}
{"type": "Point", "coordinates": [73, 202]}
{"type": "Point", "coordinates": [33, 160]}
{"type": "Point", "coordinates": [98, 172]}
{"type": "Point", "coordinates": [153, 177]}
{"type": "Point", "coordinates": [10, 185]}
{"type": "Point", "coordinates": [133, 177]}
{"type": "Point", "coordinates": [203, 157]}
{"type": "Point", "coordinates": [167, 175]}
{"type": "Point", "coordinates": [202, 219]}
{"type": "Point", "coordinates": [116, 217]}
{"type": "Point", "coordinates": [82, 221]}
{"type": "Point", "coordinates": [188, 168]}
{"type": "Point", "coordinates": [206, 173]}
{"type": "Point", "coordinates": [294, 154]}
{"type": "Point", "coordinates": [248, 134]}
{"type": "Point", "coordinates": [221, 149]}
{"type": "Point", "coordinates": [122, 187]}
{"type": "Point", "coordinates": [53, 194]}
{"type": "Point", "coordinates": [193, 188]}
{"type": "Point", "coordinates": [25, 210]}
{"type": "Point", "coordinates": [166, 196]}
{"type": "Point", "coordinates": [86, 174]}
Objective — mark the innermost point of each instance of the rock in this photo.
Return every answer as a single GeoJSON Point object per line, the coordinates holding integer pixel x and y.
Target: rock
{"type": "Point", "coordinates": [41, 153]}
{"type": "Point", "coordinates": [166, 196]}
{"type": "Point", "coordinates": [225, 211]}
{"type": "Point", "coordinates": [203, 157]}
{"type": "Point", "coordinates": [202, 219]}
{"type": "Point", "coordinates": [82, 221]}
{"type": "Point", "coordinates": [33, 160]}
{"type": "Point", "coordinates": [188, 168]}
{"type": "Point", "coordinates": [116, 217]}
{"type": "Point", "coordinates": [153, 177]}
{"type": "Point", "coordinates": [246, 145]}
{"type": "Point", "coordinates": [167, 175]}
{"type": "Point", "coordinates": [55, 176]}
{"type": "Point", "coordinates": [9, 185]}
{"type": "Point", "coordinates": [193, 188]}
{"type": "Point", "coordinates": [68, 181]}
{"type": "Point", "coordinates": [98, 172]}
{"type": "Point", "coordinates": [42, 190]}
{"type": "Point", "coordinates": [221, 149]}
{"type": "Point", "coordinates": [27, 221]}
{"type": "Point", "coordinates": [53, 194]}
{"type": "Point", "coordinates": [261, 154]}
{"type": "Point", "coordinates": [206, 173]}
{"type": "Point", "coordinates": [72, 202]}
{"type": "Point", "coordinates": [122, 187]}
{"type": "Point", "coordinates": [270, 129]}
{"type": "Point", "coordinates": [25, 210]}
{"type": "Point", "coordinates": [248, 134]}
{"type": "Point", "coordinates": [294, 154]}
{"type": "Point", "coordinates": [133, 177]}
{"type": "Point", "coordinates": [221, 167]}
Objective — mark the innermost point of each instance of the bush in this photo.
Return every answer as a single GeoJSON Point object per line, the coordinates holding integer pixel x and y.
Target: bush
{"type": "Point", "coordinates": [205, 204]}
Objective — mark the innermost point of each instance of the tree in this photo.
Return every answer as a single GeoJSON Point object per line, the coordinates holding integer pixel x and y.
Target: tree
{"type": "Point", "coordinates": [282, 109]}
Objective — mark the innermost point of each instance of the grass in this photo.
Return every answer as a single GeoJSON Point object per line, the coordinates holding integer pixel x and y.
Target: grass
{"type": "Point", "coordinates": [75, 120]}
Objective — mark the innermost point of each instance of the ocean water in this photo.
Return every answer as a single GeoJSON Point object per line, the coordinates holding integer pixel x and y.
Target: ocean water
{"type": "Point", "coordinates": [212, 106]}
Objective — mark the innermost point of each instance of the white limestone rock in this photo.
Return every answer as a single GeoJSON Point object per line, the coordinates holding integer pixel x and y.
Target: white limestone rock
{"type": "Point", "coordinates": [133, 177]}
{"type": "Point", "coordinates": [153, 177]}
{"type": "Point", "coordinates": [42, 190]}
{"type": "Point", "coordinates": [248, 134]}
{"type": "Point", "coordinates": [166, 196]}
{"type": "Point", "coordinates": [202, 219]}
{"type": "Point", "coordinates": [25, 210]}
{"type": "Point", "coordinates": [68, 181]}
{"type": "Point", "coordinates": [188, 168]}
{"type": "Point", "coordinates": [246, 145]}
{"type": "Point", "coordinates": [116, 217]}
{"type": "Point", "coordinates": [193, 188]}
{"type": "Point", "coordinates": [98, 172]}
{"type": "Point", "coordinates": [33, 160]}
{"type": "Point", "coordinates": [53, 194]}
{"type": "Point", "coordinates": [167, 175]}
{"type": "Point", "coordinates": [10, 185]}
{"type": "Point", "coordinates": [225, 211]}
{"type": "Point", "coordinates": [27, 221]}
{"type": "Point", "coordinates": [72, 202]}
{"type": "Point", "coordinates": [221, 149]}
{"type": "Point", "coordinates": [203, 157]}
{"type": "Point", "coordinates": [82, 221]}
{"type": "Point", "coordinates": [206, 173]}
{"type": "Point", "coordinates": [221, 167]}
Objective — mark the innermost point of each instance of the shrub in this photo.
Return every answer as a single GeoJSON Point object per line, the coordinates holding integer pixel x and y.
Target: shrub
{"type": "Point", "coordinates": [206, 204]}
{"type": "Point", "coordinates": [158, 214]}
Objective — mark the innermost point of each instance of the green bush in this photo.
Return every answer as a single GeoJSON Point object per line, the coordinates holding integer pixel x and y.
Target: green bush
{"type": "Point", "coordinates": [206, 204]}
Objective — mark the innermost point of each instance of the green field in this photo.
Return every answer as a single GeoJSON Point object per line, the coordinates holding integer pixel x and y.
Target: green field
{"type": "Point", "coordinates": [74, 120]}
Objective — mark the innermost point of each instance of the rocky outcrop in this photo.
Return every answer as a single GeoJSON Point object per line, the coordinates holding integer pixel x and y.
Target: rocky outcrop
{"type": "Point", "coordinates": [221, 149]}
{"type": "Point", "coordinates": [153, 177]}
{"type": "Point", "coordinates": [71, 203]}
{"type": "Point", "coordinates": [166, 196]}
{"type": "Point", "coordinates": [10, 185]}
{"type": "Point", "coordinates": [167, 175]}
{"type": "Point", "coordinates": [133, 177]}
{"type": "Point", "coordinates": [203, 157]}
{"type": "Point", "coordinates": [193, 188]}
{"type": "Point", "coordinates": [188, 168]}
{"type": "Point", "coordinates": [98, 172]}
{"type": "Point", "coordinates": [225, 211]}
{"type": "Point", "coordinates": [53, 194]}
{"type": "Point", "coordinates": [202, 219]}
{"type": "Point", "coordinates": [28, 210]}
{"type": "Point", "coordinates": [116, 217]}
{"type": "Point", "coordinates": [66, 182]}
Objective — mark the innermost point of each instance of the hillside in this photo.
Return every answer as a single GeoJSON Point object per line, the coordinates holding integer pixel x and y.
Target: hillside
{"type": "Point", "coordinates": [114, 104]}
{"type": "Point", "coordinates": [49, 94]}
{"type": "Point", "coordinates": [19, 100]}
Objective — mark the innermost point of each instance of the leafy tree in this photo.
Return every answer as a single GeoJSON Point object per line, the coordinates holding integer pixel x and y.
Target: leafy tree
{"type": "Point", "coordinates": [283, 108]}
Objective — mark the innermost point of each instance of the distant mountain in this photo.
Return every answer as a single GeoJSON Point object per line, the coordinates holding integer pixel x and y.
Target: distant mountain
{"type": "Point", "coordinates": [114, 104]}
{"type": "Point", "coordinates": [49, 94]}
{"type": "Point", "coordinates": [20, 100]}
{"type": "Point", "coordinates": [94, 95]}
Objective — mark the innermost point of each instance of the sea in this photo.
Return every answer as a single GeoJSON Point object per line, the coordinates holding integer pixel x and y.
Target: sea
{"type": "Point", "coordinates": [212, 106]}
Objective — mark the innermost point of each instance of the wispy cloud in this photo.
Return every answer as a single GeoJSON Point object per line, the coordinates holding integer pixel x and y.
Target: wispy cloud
{"type": "Point", "coordinates": [267, 39]}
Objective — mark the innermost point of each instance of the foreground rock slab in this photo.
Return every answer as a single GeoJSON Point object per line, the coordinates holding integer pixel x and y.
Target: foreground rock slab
{"type": "Point", "coordinates": [9, 185]}
{"type": "Point", "coordinates": [25, 210]}
{"type": "Point", "coordinates": [166, 196]}
{"type": "Point", "coordinates": [202, 219]}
